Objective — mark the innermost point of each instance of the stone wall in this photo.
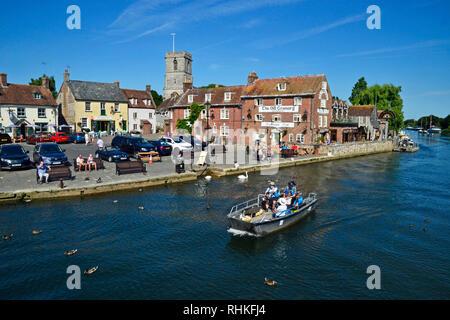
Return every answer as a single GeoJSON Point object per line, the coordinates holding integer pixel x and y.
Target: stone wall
{"type": "Point", "coordinates": [356, 148]}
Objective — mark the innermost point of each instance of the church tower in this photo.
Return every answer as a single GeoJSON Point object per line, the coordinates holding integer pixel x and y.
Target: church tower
{"type": "Point", "coordinates": [178, 71]}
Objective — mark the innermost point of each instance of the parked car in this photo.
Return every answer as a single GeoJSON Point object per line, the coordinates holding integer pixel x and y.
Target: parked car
{"type": "Point", "coordinates": [38, 138]}
{"type": "Point", "coordinates": [14, 156]}
{"type": "Point", "coordinates": [60, 137]}
{"type": "Point", "coordinates": [112, 153]}
{"type": "Point", "coordinates": [5, 138]}
{"type": "Point", "coordinates": [164, 149]}
{"type": "Point", "coordinates": [195, 143]}
{"type": "Point", "coordinates": [177, 143]}
{"type": "Point", "coordinates": [49, 153]}
{"type": "Point", "coordinates": [136, 133]}
{"type": "Point", "coordinates": [133, 145]}
{"type": "Point", "coordinates": [77, 137]}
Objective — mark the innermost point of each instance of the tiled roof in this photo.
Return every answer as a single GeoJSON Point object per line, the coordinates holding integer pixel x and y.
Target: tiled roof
{"type": "Point", "coordinates": [22, 94]}
{"type": "Point", "coordinates": [168, 103]}
{"type": "Point", "coordinates": [217, 96]}
{"type": "Point", "coordinates": [96, 91]}
{"type": "Point", "coordinates": [363, 111]}
{"type": "Point", "coordinates": [294, 85]}
{"type": "Point", "coordinates": [140, 95]}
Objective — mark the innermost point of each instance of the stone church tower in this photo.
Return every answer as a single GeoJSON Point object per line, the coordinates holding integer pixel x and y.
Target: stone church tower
{"type": "Point", "coordinates": [178, 72]}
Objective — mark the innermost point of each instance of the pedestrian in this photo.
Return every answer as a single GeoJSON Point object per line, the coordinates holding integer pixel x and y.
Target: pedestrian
{"type": "Point", "coordinates": [100, 143]}
{"type": "Point", "coordinates": [42, 172]}
{"type": "Point", "coordinates": [86, 138]}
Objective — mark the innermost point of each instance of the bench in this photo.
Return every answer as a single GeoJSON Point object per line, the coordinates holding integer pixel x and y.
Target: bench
{"type": "Point", "coordinates": [145, 156]}
{"type": "Point", "coordinates": [288, 153]}
{"type": "Point", "coordinates": [57, 173]}
{"type": "Point", "coordinates": [130, 167]}
{"type": "Point", "coordinates": [98, 161]}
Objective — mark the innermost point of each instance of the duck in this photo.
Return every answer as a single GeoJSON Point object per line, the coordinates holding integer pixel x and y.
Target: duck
{"type": "Point", "coordinates": [99, 180]}
{"type": "Point", "coordinates": [90, 270]}
{"type": "Point", "coordinates": [141, 208]}
{"type": "Point", "coordinates": [70, 252]}
{"type": "Point", "coordinates": [140, 190]}
{"type": "Point", "coordinates": [115, 201]}
{"type": "Point", "coordinates": [7, 237]}
{"type": "Point", "coordinates": [86, 179]}
{"type": "Point", "coordinates": [36, 232]}
{"type": "Point", "coordinates": [242, 177]}
{"type": "Point", "coordinates": [269, 282]}
{"type": "Point", "coordinates": [427, 220]}
{"type": "Point", "coordinates": [208, 178]}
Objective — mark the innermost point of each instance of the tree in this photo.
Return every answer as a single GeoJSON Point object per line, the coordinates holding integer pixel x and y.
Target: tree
{"type": "Point", "coordinates": [211, 85]}
{"type": "Point", "coordinates": [359, 87]}
{"type": "Point", "coordinates": [410, 123]}
{"type": "Point", "coordinates": [157, 97]}
{"type": "Point", "coordinates": [188, 123]}
{"type": "Point", "coordinates": [52, 84]}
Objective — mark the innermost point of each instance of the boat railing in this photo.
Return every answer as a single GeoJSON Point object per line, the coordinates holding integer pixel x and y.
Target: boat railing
{"type": "Point", "coordinates": [247, 204]}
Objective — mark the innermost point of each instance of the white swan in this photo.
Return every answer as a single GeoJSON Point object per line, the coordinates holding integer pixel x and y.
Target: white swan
{"type": "Point", "coordinates": [242, 177]}
{"type": "Point", "coordinates": [208, 178]}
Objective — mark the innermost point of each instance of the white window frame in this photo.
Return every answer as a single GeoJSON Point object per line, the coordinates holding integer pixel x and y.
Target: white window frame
{"type": "Point", "coordinates": [37, 96]}
{"type": "Point", "coordinates": [323, 103]}
{"type": "Point", "coordinates": [214, 128]}
{"type": "Point", "coordinates": [203, 114]}
{"type": "Point", "coordinates": [116, 107]}
{"type": "Point", "coordinates": [325, 122]}
{"type": "Point", "coordinates": [227, 96]}
{"type": "Point", "coordinates": [297, 117]}
{"type": "Point", "coordinates": [135, 126]}
{"type": "Point", "coordinates": [278, 101]}
{"type": "Point", "coordinates": [150, 115]}
{"type": "Point", "coordinates": [259, 102]}
{"type": "Point", "coordinates": [300, 137]}
{"type": "Point", "coordinates": [191, 98]}
{"type": "Point", "coordinates": [224, 114]}
{"type": "Point", "coordinates": [224, 131]}
{"type": "Point", "coordinates": [84, 122]}
{"type": "Point", "coordinates": [320, 121]}
{"type": "Point", "coordinates": [298, 101]}
{"type": "Point", "coordinates": [187, 113]}
{"type": "Point", "coordinates": [275, 116]}
{"type": "Point", "coordinates": [291, 137]}
{"type": "Point", "coordinates": [208, 97]}
{"type": "Point", "coordinates": [259, 117]}
{"type": "Point", "coordinates": [102, 106]}
{"type": "Point", "coordinates": [87, 106]}
{"type": "Point", "coordinates": [281, 86]}
{"type": "Point", "coordinates": [134, 115]}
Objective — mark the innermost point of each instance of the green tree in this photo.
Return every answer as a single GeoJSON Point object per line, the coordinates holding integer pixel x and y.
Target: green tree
{"type": "Point", "coordinates": [52, 84]}
{"type": "Point", "coordinates": [359, 87]}
{"type": "Point", "coordinates": [188, 123]}
{"type": "Point", "coordinates": [410, 122]}
{"type": "Point", "coordinates": [157, 97]}
{"type": "Point", "coordinates": [211, 85]}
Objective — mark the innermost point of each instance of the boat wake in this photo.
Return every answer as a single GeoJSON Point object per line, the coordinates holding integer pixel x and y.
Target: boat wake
{"type": "Point", "coordinates": [241, 233]}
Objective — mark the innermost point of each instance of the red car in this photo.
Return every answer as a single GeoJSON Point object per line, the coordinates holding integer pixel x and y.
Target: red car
{"type": "Point", "coordinates": [39, 138]}
{"type": "Point", "coordinates": [60, 137]}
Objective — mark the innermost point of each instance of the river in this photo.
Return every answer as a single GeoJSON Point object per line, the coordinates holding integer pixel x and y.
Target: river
{"type": "Point", "coordinates": [372, 211]}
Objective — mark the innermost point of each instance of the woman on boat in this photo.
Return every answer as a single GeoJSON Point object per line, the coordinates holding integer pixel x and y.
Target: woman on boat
{"type": "Point", "coordinates": [289, 194]}
{"type": "Point", "coordinates": [297, 201]}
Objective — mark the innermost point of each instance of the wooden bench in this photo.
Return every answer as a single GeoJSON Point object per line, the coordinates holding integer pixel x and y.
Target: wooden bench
{"type": "Point", "coordinates": [130, 167]}
{"type": "Point", "coordinates": [288, 153]}
{"type": "Point", "coordinates": [145, 156]}
{"type": "Point", "coordinates": [98, 161]}
{"type": "Point", "coordinates": [57, 173]}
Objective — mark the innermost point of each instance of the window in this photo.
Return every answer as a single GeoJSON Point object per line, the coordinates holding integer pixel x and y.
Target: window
{"type": "Point", "coordinates": [297, 118]}
{"type": "Point", "coordinates": [224, 114]}
{"type": "Point", "coordinates": [187, 113]}
{"type": "Point", "coordinates": [291, 137]}
{"type": "Point", "coordinates": [175, 64]}
{"type": "Point", "coordinates": [21, 112]}
{"type": "Point", "coordinates": [190, 98]}
{"type": "Point", "coordinates": [224, 131]}
{"type": "Point", "coordinates": [150, 115]}
{"type": "Point", "coordinates": [41, 113]}
{"type": "Point", "coordinates": [276, 118]}
{"type": "Point", "coordinates": [84, 122]}
{"type": "Point", "coordinates": [259, 117]}
{"type": "Point", "coordinates": [258, 102]}
{"type": "Point", "coordinates": [300, 138]}
{"type": "Point", "coordinates": [37, 95]}
{"type": "Point", "coordinates": [282, 86]}
{"type": "Point", "coordinates": [227, 96]}
{"type": "Point", "coordinates": [320, 121]}
{"type": "Point", "coordinates": [208, 97]}
{"type": "Point", "coordinates": [297, 101]}
{"type": "Point", "coordinates": [116, 107]}
{"type": "Point", "coordinates": [278, 101]}
{"type": "Point", "coordinates": [323, 103]}
{"type": "Point", "coordinates": [134, 115]}
{"type": "Point", "coordinates": [203, 114]}
{"type": "Point", "coordinates": [87, 107]}
{"type": "Point", "coordinates": [102, 109]}
{"type": "Point", "coordinates": [135, 126]}
{"type": "Point", "coordinates": [214, 128]}
{"type": "Point", "coordinates": [325, 121]}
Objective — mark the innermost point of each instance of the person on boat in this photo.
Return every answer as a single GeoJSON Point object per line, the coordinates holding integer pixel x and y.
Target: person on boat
{"type": "Point", "coordinates": [297, 201]}
{"type": "Point", "coordinates": [289, 193]}
{"type": "Point", "coordinates": [271, 197]}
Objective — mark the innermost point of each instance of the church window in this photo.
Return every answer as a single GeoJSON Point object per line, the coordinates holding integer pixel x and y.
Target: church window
{"type": "Point", "coordinates": [175, 64]}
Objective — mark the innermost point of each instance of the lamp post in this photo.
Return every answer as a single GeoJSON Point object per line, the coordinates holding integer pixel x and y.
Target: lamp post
{"type": "Point", "coordinates": [207, 107]}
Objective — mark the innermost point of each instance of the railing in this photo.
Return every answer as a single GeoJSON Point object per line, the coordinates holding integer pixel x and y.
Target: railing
{"type": "Point", "coordinates": [247, 204]}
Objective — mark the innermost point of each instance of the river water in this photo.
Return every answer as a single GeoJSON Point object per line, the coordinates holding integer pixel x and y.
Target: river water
{"type": "Point", "coordinates": [178, 247]}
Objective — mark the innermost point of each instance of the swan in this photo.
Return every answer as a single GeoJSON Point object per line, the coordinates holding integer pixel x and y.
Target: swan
{"type": "Point", "coordinates": [208, 178]}
{"type": "Point", "coordinates": [90, 271]}
{"type": "Point", "coordinates": [270, 282]}
{"type": "Point", "coordinates": [70, 252]}
{"type": "Point", "coordinates": [242, 177]}
{"type": "Point", "coordinates": [36, 232]}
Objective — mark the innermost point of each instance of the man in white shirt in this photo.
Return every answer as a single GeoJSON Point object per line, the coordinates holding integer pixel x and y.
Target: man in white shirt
{"type": "Point", "coordinates": [100, 143]}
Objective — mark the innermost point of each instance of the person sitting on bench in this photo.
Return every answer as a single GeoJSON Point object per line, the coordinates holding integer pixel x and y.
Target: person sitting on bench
{"type": "Point", "coordinates": [91, 162]}
{"type": "Point", "coordinates": [42, 172]}
{"type": "Point", "coordinates": [80, 162]}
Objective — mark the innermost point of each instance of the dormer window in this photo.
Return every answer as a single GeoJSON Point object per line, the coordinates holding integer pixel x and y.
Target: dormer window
{"type": "Point", "coordinates": [190, 98]}
{"type": "Point", "coordinates": [227, 96]}
{"type": "Point", "coordinates": [282, 86]}
{"type": "Point", "coordinates": [37, 95]}
{"type": "Point", "coordinates": [208, 97]}
{"type": "Point", "coordinates": [297, 101]}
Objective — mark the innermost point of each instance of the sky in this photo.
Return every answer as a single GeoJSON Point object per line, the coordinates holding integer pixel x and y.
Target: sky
{"type": "Point", "coordinates": [127, 40]}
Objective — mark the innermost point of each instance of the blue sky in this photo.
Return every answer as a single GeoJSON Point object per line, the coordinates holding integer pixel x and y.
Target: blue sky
{"type": "Point", "coordinates": [127, 40]}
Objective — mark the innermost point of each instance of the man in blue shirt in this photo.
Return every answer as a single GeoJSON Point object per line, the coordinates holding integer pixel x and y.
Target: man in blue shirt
{"type": "Point", "coordinates": [297, 201]}
{"type": "Point", "coordinates": [271, 197]}
{"type": "Point", "coordinates": [42, 172]}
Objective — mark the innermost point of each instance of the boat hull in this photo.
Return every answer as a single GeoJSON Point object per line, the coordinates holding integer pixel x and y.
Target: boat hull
{"type": "Point", "coordinates": [267, 227]}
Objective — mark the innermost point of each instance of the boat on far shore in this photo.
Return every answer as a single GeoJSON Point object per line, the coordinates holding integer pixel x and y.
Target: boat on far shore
{"type": "Point", "coordinates": [434, 130]}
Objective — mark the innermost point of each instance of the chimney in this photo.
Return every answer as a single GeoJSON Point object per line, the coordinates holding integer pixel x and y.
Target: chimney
{"type": "Point", "coordinates": [217, 85]}
{"type": "Point", "coordinates": [66, 76]}
{"type": "Point", "coordinates": [3, 80]}
{"type": "Point", "coordinates": [117, 83]}
{"type": "Point", "coordinates": [45, 83]}
{"type": "Point", "coordinates": [148, 88]}
{"type": "Point", "coordinates": [252, 77]}
{"type": "Point", "coordinates": [187, 84]}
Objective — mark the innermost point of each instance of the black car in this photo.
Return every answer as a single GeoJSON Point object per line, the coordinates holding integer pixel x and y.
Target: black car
{"type": "Point", "coordinates": [50, 154]}
{"type": "Point", "coordinates": [5, 138]}
{"type": "Point", "coordinates": [164, 149]}
{"type": "Point", "coordinates": [133, 145]}
{"type": "Point", "coordinates": [112, 153]}
{"type": "Point", "coordinates": [14, 156]}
